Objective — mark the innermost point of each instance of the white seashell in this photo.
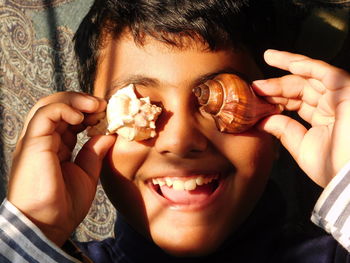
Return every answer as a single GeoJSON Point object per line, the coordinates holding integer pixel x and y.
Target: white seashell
{"type": "Point", "coordinates": [128, 116]}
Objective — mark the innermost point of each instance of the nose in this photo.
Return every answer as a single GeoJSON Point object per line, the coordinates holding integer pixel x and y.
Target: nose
{"type": "Point", "coordinates": [178, 132]}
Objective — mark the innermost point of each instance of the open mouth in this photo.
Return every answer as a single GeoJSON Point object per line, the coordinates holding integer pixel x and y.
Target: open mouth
{"type": "Point", "coordinates": [187, 190]}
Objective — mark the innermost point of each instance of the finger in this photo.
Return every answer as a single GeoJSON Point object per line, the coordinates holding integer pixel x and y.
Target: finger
{"type": "Point", "coordinates": [331, 76]}
{"type": "Point", "coordinates": [288, 104]}
{"type": "Point", "coordinates": [91, 155]}
{"type": "Point", "coordinates": [69, 132]}
{"type": "Point", "coordinates": [80, 101]}
{"type": "Point", "coordinates": [89, 120]}
{"type": "Point", "coordinates": [69, 138]}
{"type": "Point", "coordinates": [64, 153]}
{"type": "Point", "coordinates": [291, 87]}
{"type": "Point", "coordinates": [287, 130]}
{"type": "Point", "coordinates": [304, 110]}
{"type": "Point", "coordinates": [93, 119]}
{"type": "Point", "coordinates": [49, 117]}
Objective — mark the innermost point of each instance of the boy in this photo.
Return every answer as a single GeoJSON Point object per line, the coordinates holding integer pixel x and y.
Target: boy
{"type": "Point", "coordinates": [166, 49]}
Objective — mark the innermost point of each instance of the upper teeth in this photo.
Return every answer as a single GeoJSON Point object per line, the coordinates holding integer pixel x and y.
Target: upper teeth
{"type": "Point", "coordinates": [184, 184]}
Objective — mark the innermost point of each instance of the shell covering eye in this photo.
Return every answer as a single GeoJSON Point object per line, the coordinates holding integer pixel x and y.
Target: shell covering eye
{"type": "Point", "coordinates": [130, 117]}
{"type": "Point", "coordinates": [232, 103]}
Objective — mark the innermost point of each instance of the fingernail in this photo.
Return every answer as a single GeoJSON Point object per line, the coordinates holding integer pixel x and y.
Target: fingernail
{"type": "Point", "coordinates": [89, 97]}
{"type": "Point", "coordinates": [259, 83]}
{"type": "Point", "coordinates": [270, 50]}
{"type": "Point", "coordinates": [99, 99]}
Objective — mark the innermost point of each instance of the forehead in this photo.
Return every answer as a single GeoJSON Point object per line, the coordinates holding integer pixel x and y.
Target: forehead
{"type": "Point", "coordinates": [123, 59]}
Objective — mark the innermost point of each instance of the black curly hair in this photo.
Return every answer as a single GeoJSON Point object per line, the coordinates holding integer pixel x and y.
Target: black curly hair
{"type": "Point", "coordinates": [217, 23]}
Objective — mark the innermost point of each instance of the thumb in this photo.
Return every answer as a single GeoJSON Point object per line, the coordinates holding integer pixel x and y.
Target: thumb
{"type": "Point", "coordinates": [289, 131]}
{"type": "Point", "coordinates": [91, 155]}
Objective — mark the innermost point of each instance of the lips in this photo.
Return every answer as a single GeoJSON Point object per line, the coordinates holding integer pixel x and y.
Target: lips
{"type": "Point", "coordinates": [193, 190]}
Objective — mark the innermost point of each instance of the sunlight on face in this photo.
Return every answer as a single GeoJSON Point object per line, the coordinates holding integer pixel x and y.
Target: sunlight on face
{"type": "Point", "coordinates": [189, 187]}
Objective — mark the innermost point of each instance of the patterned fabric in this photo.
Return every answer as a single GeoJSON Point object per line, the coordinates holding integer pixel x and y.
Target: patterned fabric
{"type": "Point", "coordinates": [37, 59]}
{"type": "Point", "coordinates": [332, 209]}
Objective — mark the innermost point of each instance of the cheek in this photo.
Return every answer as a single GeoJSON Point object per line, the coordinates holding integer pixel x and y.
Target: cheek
{"type": "Point", "coordinates": [120, 182]}
{"type": "Point", "coordinates": [252, 153]}
{"type": "Point", "coordinates": [127, 157]}
{"type": "Point", "coordinates": [249, 152]}
{"type": "Point", "coordinates": [253, 157]}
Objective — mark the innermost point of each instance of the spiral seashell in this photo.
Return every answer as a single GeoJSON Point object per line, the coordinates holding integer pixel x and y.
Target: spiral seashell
{"type": "Point", "coordinates": [232, 103]}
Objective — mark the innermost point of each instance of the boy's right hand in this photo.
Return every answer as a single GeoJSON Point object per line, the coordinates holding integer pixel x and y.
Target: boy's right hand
{"type": "Point", "coordinates": [54, 192]}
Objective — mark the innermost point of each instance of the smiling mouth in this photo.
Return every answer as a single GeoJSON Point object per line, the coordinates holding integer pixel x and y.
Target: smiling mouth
{"type": "Point", "coordinates": [186, 191]}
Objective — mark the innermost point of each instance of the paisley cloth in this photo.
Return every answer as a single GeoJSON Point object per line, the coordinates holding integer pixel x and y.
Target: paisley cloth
{"type": "Point", "coordinates": [37, 59]}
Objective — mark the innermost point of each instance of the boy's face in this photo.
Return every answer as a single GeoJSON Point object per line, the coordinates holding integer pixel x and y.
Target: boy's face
{"type": "Point", "coordinates": [188, 147]}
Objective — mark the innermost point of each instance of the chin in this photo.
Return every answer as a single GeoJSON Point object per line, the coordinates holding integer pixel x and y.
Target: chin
{"type": "Point", "coordinates": [189, 243]}
{"type": "Point", "coordinates": [189, 250]}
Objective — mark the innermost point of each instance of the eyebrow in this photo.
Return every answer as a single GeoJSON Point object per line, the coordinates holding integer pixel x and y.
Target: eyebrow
{"type": "Point", "coordinates": [132, 79]}
{"type": "Point", "coordinates": [149, 81]}
{"type": "Point", "coordinates": [228, 70]}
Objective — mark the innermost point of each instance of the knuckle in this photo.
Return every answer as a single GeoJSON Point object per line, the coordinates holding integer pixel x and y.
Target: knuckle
{"type": "Point", "coordinates": [55, 107]}
{"type": "Point", "coordinates": [62, 96]}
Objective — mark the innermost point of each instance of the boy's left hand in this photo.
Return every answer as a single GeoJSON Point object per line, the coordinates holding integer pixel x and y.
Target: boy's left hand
{"type": "Point", "coordinates": [320, 94]}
